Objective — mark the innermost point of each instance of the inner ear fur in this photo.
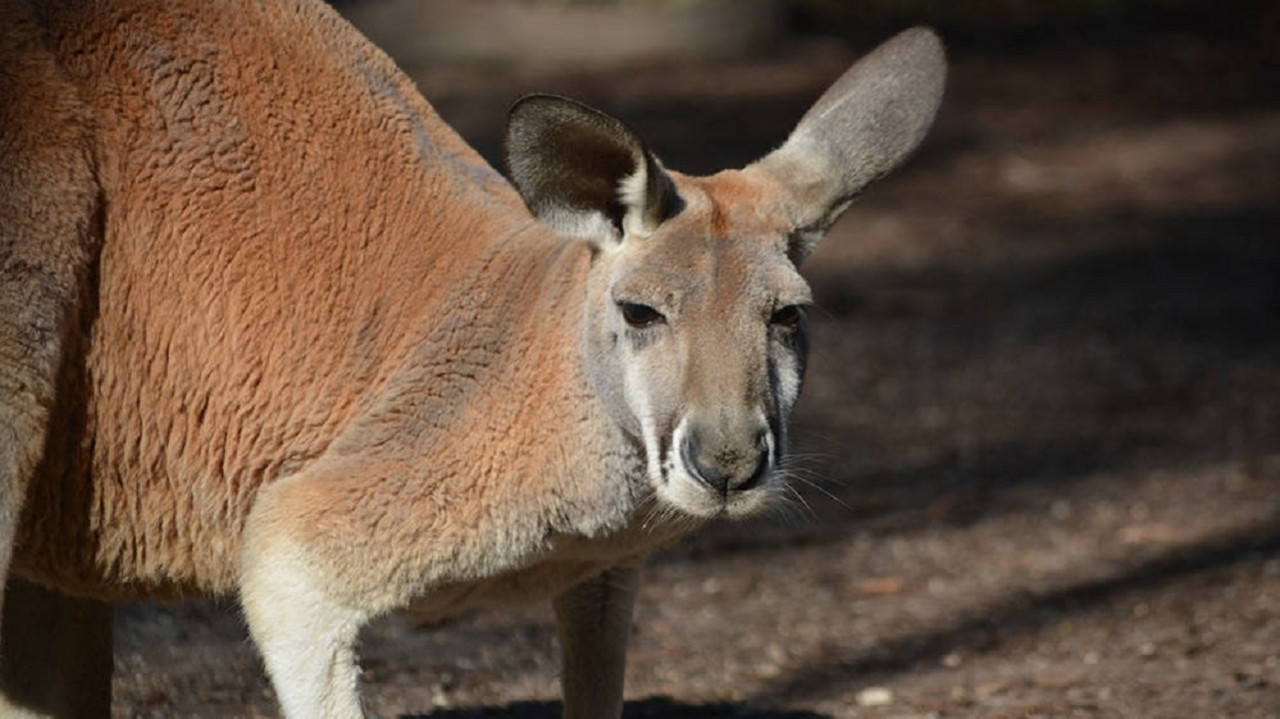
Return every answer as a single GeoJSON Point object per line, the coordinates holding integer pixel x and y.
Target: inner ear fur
{"type": "Point", "coordinates": [584, 172]}
{"type": "Point", "coordinates": [865, 125]}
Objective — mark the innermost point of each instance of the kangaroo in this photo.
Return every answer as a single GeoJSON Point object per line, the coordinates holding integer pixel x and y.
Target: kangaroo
{"type": "Point", "coordinates": [270, 329]}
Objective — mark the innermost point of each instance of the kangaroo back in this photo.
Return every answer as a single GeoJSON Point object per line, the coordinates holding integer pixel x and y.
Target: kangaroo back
{"type": "Point", "coordinates": [279, 205]}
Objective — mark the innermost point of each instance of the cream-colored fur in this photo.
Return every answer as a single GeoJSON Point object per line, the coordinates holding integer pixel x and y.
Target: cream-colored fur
{"type": "Point", "coordinates": [269, 328]}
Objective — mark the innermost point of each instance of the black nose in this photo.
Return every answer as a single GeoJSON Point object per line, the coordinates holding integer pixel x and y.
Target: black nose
{"type": "Point", "coordinates": [726, 467]}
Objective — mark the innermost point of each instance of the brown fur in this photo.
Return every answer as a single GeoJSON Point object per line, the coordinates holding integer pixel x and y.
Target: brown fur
{"type": "Point", "coordinates": [286, 276]}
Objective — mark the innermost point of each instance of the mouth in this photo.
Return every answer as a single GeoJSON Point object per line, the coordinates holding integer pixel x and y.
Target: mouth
{"type": "Point", "coordinates": [679, 489]}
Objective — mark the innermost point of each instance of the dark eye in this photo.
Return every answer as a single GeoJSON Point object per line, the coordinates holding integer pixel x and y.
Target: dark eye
{"type": "Point", "coordinates": [640, 316]}
{"type": "Point", "coordinates": [787, 317]}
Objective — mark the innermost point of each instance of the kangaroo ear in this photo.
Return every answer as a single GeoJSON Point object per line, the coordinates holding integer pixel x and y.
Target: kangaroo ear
{"type": "Point", "coordinates": [865, 125]}
{"type": "Point", "coordinates": [583, 172]}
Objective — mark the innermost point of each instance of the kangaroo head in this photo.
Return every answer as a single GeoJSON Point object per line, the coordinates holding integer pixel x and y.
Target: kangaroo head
{"type": "Point", "coordinates": [694, 334]}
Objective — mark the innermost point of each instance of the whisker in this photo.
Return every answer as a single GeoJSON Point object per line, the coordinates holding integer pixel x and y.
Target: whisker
{"type": "Point", "coordinates": [824, 491]}
{"type": "Point", "coordinates": [808, 477]}
{"type": "Point", "coordinates": [790, 508]}
{"type": "Point", "coordinates": [799, 502]}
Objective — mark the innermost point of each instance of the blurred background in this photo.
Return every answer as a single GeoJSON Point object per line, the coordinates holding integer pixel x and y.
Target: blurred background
{"type": "Point", "coordinates": [1039, 447]}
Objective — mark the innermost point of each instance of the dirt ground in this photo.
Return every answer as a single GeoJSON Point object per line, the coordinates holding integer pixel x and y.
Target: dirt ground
{"type": "Point", "coordinates": [1040, 435]}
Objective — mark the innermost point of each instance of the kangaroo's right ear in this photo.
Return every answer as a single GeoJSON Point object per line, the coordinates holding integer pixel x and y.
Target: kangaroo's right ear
{"type": "Point", "coordinates": [583, 172]}
{"type": "Point", "coordinates": [865, 125]}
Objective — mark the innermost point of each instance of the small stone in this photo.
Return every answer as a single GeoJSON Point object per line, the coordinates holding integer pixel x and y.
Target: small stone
{"type": "Point", "coordinates": [880, 586]}
{"type": "Point", "coordinates": [776, 653]}
{"type": "Point", "coordinates": [875, 697]}
{"type": "Point", "coordinates": [768, 670]}
{"type": "Point", "coordinates": [988, 690]}
{"type": "Point", "coordinates": [439, 698]}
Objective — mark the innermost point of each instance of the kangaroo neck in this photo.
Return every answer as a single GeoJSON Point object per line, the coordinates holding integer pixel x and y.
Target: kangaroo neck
{"type": "Point", "coordinates": [507, 325]}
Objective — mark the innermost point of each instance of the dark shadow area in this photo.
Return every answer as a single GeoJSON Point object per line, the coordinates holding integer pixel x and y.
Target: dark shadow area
{"type": "Point", "coordinates": [988, 629]}
{"type": "Point", "coordinates": [654, 708]}
{"type": "Point", "coordinates": [1204, 278]}
{"type": "Point", "coordinates": [1020, 27]}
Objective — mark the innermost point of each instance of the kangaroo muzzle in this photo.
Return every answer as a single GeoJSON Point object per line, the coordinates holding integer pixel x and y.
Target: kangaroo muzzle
{"type": "Point", "coordinates": [732, 458]}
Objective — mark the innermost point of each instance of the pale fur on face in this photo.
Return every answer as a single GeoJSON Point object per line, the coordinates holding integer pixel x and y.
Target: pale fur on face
{"type": "Point", "coordinates": [716, 279]}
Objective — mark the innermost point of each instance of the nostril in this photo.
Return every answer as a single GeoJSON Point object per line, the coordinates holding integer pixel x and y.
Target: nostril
{"type": "Point", "coordinates": [757, 474]}
{"type": "Point", "coordinates": [762, 440]}
{"type": "Point", "coordinates": [708, 473]}
{"type": "Point", "coordinates": [725, 471]}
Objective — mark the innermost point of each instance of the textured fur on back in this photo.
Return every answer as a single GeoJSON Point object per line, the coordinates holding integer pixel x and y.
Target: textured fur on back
{"type": "Point", "coordinates": [288, 233]}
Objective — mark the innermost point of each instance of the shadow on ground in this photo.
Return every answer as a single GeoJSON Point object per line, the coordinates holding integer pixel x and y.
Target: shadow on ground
{"type": "Point", "coordinates": [655, 708]}
{"type": "Point", "coordinates": [989, 628]}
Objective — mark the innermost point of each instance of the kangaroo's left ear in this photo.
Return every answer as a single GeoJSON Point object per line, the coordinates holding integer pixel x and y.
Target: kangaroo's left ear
{"type": "Point", "coordinates": [583, 172]}
{"type": "Point", "coordinates": [863, 126]}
